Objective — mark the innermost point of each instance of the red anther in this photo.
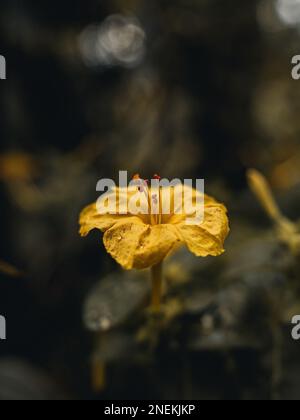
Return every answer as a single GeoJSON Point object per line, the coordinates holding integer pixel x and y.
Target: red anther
{"type": "Point", "coordinates": [157, 177]}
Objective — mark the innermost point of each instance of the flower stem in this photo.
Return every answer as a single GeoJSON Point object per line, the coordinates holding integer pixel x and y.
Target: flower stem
{"type": "Point", "coordinates": [157, 282]}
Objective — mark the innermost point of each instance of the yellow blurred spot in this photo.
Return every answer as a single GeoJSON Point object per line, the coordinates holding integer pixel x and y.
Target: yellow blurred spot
{"type": "Point", "coordinates": [9, 270]}
{"type": "Point", "coordinates": [17, 167]}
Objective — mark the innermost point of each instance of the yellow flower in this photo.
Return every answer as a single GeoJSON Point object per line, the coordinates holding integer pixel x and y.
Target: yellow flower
{"type": "Point", "coordinates": [140, 241]}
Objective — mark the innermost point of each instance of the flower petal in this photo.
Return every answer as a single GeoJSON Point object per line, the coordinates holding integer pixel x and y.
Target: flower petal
{"type": "Point", "coordinates": [181, 201]}
{"type": "Point", "coordinates": [136, 245]}
{"type": "Point", "coordinates": [208, 238]}
{"type": "Point", "coordinates": [184, 204]}
{"type": "Point", "coordinates": [90, 219]}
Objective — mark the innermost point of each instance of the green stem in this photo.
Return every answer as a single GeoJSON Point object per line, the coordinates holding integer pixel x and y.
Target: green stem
{"type": "Point", "coordinates": [157, 282]}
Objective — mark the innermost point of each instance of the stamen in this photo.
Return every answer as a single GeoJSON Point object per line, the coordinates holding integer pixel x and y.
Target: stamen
{"type": "Point", "coordinates": [159, 213]}
{"type": "Point", "coordinates": [155, 208]}
{"type": "Point", "coordinates": [154, 200]}
{"type": "Point", "coordinates": [140, 182]}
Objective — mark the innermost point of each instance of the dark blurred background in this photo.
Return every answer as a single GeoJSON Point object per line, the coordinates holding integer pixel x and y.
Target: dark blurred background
{"type": "Point", "coordinates": [184, 88]}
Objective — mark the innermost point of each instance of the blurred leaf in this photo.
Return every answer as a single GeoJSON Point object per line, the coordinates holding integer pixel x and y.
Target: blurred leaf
{"type": "Point", "coordinates": [258, 254]}
{"type": "Point", "coordinates": [114, 299]}
{"type": "Point", "coordinates": [20, 381]}
{"type": "Point", "coordinates": [113, 346]}
{"type": "Point", "coordinates": [221, 341]}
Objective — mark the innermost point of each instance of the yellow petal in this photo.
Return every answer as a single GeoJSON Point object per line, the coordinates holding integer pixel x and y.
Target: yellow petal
{"type": "Point", "coordinates": [208, 238]}
{"type": "Point", "coordinates": [134, 244]}
{"type": "Point", "coordinates": [155, 245]}
{"type": "Point", "coordinates": [90, 219]}
{"type": "Point", "coordinates": [188, 210]}
{"type": "Point", "coordinates": [120, 201]}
